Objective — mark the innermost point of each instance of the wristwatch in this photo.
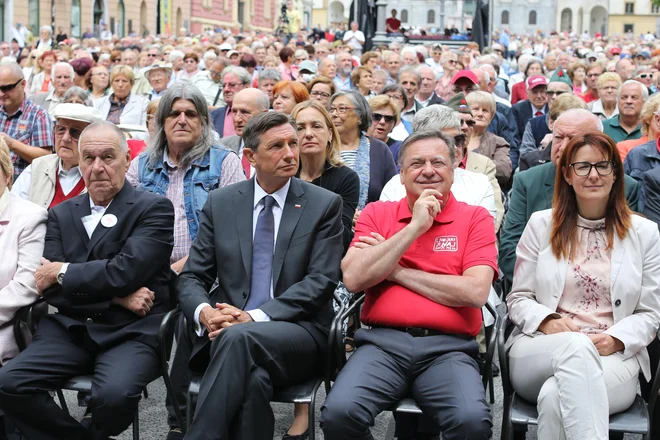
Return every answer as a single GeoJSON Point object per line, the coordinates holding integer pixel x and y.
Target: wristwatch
{"type": "Point", "coordinates": [60, 274]}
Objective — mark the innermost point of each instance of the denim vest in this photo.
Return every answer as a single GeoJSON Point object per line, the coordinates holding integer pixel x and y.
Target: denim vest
{"type": "Point", "coordinates": [201, 177]}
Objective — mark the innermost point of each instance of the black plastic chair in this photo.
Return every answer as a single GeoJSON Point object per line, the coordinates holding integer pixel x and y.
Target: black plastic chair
{"type": "Point", "coordinates": [518, 413]}
{"type": "Point", "coordinates": [304, 392]}
{"type": "Point", "coordinates": [27, 319]}
{"type": "Point", "coordinates": [408, 405]}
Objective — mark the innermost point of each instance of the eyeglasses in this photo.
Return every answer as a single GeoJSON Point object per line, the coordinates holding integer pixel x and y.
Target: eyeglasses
{"type": "Point", "coordinates": [399, 97]}
{"type": "Point", "coordinates": [323, 95]}
{"type": "Point", "coordinates": [594, 75]}
{"type": "Point", "coordinates": [470, 122]}
{"type": "Point", "coordinates": [152, 55]}
{"type": "Point", "coordinates": [9, 87]}
{"type": "Point", "coordinates": [60, 130]}
{"type": "Point", "coordinates": [342, 109]}
{"type": "Point", "coordinates": [583, 169]}
{"type": "Point", "coordinates": [230, 85]}
{"type": "Point", "coordinates": [459, 140]}
{"type": "Point", "coordinates": [645, 75]}
{"type": "Point", "coordinates": [465, 91]}
{"type": "Point", "coordinates": [553, 93]}
{"type": "Point", "coordinates": [452, 61]}
{"type": "Point", "coordinates": [388, 118]}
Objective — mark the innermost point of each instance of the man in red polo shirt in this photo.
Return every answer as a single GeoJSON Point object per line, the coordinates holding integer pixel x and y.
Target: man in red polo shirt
{"type": "Point", "coordinates": [426, 264]}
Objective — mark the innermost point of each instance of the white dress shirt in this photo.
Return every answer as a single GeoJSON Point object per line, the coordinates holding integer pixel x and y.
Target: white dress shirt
{"type": "Point", "coordinates": [258, 204]}
{"type": "Point", "coordinates": [68, 181]}
{"type": "Point", "coordinates": [90, 222]}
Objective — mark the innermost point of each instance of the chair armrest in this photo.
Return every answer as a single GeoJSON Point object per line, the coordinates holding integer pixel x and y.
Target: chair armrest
{"type": "Point", "coordinates": [165, 342]}
{"type": "Point", "coordinates": [28, 317]}
{"type": "Point", "coordinates": [492, 342]}
{"type": "Point", "coordinates": [505, 324]}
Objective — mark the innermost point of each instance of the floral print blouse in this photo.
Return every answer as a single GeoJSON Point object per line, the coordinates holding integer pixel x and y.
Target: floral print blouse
{"type": "Point", "coordinates": [586, 298]}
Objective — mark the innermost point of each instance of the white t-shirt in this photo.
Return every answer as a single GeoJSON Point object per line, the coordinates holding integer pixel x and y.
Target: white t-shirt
{"type": "Point", "coordinates": [354, 39]}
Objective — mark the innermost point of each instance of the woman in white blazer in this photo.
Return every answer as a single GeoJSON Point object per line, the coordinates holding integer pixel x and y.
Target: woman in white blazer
{"type": "Point", "coordinates": [22, 234]}
{"type": "Point", "coordinates": [585, 298]}
{"type": "Point", "coordinates": [121, 106]}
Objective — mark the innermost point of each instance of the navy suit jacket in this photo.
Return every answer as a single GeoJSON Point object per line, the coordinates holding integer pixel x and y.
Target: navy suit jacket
{"type": "Point", "coordinates": [218, 119]}
{"type": "Point", "coordinates": [522, 112]}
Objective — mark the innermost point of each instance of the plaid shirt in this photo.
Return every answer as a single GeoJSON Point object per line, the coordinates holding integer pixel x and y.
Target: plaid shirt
{"type": "Point", "coordinates": [30, 125]}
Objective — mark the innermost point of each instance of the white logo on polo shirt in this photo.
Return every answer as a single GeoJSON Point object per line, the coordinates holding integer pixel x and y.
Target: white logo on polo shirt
{"type": "Point", "coordinates": [446, 244]}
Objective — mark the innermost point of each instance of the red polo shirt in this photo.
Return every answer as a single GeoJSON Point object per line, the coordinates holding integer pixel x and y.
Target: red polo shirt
{"type": "Point", "coordinates": [462, 236]}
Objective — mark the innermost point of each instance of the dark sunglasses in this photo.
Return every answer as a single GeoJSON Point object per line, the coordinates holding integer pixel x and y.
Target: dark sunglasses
{"type": "Point", "coordinates": [388, 118]}
{"type": "Point", "coordinates": [60, 130]}
{"type": "Point", "coordinates": [9, 87]}
{"type": "Point", "coordinates": [459, 140]}
{"type": "Point", "coordinates": [470, 122]}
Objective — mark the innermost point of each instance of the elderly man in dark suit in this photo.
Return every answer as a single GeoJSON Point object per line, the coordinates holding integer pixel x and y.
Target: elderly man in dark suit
{"type": "Point", "coordinates": [106, 268]}
{"type": "Point", "coordinates": [233, 80]}
{"type": "Point", "coordinates": [274, 243]}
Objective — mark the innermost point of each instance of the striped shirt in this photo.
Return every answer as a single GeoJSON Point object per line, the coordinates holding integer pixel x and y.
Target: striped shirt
{"type": "Point", "coordinates": [348, 157]}
{"type": "Point", "coordinates": [30, 125]}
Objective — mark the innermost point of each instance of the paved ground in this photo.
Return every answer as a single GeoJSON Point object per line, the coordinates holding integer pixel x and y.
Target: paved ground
{"type": "Point", "coordinates": [153, 416]}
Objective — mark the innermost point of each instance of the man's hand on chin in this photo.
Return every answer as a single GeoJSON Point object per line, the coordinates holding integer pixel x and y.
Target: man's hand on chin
{"type": "Point", "coordinates": [46, 275]}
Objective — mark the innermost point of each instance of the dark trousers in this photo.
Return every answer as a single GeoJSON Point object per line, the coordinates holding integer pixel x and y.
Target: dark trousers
{"type": "Point", "coordinates": [247, 362]}
{"type": "Point", "coordinates": [120, 373]}
{"type": "Point", "coordinates": [439, 372]}
{"type": "Point", "coordinates": [180, 374]}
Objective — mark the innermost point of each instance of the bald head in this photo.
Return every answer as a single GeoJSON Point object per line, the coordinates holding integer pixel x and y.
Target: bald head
{"type": "Point", "coordinates": [246, 104]}
{"type": "Point", "coordinates": [572, 123]}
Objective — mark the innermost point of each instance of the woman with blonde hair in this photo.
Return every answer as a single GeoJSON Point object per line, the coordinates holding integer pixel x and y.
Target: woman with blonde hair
{"type": "Point", "coordinates": [585, 299]}
{"type": "Point", "coordinates": [320, 164]}
{"type": "Point", "coordinates": [32, 66]}
{"type": "Point", "coordinates": [606, 106]}
{"type": "Point", "coordinates": [122, 106]}
{"type": "Point", "coordinates": [386, 116]}
{"type": "Point", "coordinates": [361, 79]}
{"type": "Point", "coordinates": [484, 142]}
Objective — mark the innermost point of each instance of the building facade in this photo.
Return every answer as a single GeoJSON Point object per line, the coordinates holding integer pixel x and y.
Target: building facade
{"type": "Point", "coordinates": [525, 16]}
{"type": "Point", "coordinates": [581, 16]}
{"type": "Point", "coordinates": [636, 16]}
{"type": "Point", "coordinates": [246, 15]}
{"type": "Point", "coordinates": [76, 16]}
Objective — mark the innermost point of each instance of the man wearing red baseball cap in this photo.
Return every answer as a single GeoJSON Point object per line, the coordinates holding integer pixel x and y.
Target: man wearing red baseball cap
{"type": "Point", "coordinates": [464, 81]}
{"type": "Point", "coordinates": [534, 105]}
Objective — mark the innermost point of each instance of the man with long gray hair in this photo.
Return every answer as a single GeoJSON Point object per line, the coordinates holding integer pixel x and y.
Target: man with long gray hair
{"type": "Point", "coordinates": [182, 164]}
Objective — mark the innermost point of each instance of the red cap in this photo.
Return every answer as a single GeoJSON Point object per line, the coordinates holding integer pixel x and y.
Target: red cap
{"type": "Point", "coordinates": [615, 51]}
{"type": "Point", "coordinates": [465, 74]}
{"type": "Point", "coordinates": [535, 81]}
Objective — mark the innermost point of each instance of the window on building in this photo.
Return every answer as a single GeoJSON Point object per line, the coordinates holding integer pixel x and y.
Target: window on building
{"type": "Point", "coordinates": [430, 17]}
{"type": "Point", "coordinates": [655, 9]}
{"type": "Point", "coordinates": [629, 28]}
{"type": "Point", "coordinates": [630, 8]}
{"type": "Point", "coordinates": [532, 17]}
{"type": "Point", "coordinates": [505, 17]}
{"type": "Point", "coordinates": [404, 16]}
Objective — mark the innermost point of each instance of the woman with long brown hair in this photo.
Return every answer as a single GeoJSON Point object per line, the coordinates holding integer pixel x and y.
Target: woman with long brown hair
{"type": "Point", "coordinates": [585, 298]}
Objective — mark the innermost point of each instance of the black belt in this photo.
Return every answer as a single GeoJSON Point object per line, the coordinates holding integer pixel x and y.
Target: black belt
{"type": "Point", "coordinates": [419, 332]}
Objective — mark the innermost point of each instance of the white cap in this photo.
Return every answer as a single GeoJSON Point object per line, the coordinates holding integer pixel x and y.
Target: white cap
{"type": "Point", "coordinates": [225, 46]}
{"type": "Point", "coordinates": [77, 112]}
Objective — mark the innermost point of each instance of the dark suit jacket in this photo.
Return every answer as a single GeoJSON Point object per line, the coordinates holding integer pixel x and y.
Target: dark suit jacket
{"type": "Point", "coordinates": [522, 113]}
{"type": "Point", "coordinates": [651, 182]}
{"type": "Point", "coordinates": [381, 168]}
{"type": "Point", "coordinates": [115, 262]}
{"type": "Point", "coordinates": [533, 191]}
{"type": "Point", "coordinates": [535, 158]}
{"type": "Point", "coordinates": [218, 119]}
{"type": "Point", "coordinates": [306, 262]}
{"type": "Point", "coordinates": [435, 99]}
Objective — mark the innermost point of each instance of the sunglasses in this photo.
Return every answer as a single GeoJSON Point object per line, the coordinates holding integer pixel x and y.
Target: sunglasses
{"type": "Point", "coordinates": [60, 130]}
{"type": "Point", "coordinates": [388, 118]}
{"type": "Point", "coordinates": [9, 87]}
{"type": "Point", "coordinates": [470, 123]}
{"type": "Point", "coordinates": [645, 75]}
{"type": "Point", "coordinates": [152, 55]}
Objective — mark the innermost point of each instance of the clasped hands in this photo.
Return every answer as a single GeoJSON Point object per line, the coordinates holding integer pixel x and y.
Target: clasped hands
{"type": "Point", "coordinates": [605, 344]}
{"type": "Point", "coordinates": [222, 316]}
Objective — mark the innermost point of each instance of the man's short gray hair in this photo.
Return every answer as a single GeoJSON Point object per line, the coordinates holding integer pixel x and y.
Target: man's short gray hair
{"type": "Point", "coordinates": [261, 123]}
{"type": "Point", "coordinates": [79, 92]}
{"type": "Point", "coordinates": [428, 134]}
{"type": "Point", "coordinates": [176, 55]}
{"type": "Point", "coordinates": [243, 75]}
{"type": "Point", "coordinates": [409, 69]}
{"type": "Point", "coordinates": [643, 90]}
{"type": "Point", "coordinates": [267, 74]}
{"type": "Point", "coordinates": [100, 125]}
{"type": "Point", "coordinates": [67, 66]}
{"type": "Point", "coordinates": [438, 117]}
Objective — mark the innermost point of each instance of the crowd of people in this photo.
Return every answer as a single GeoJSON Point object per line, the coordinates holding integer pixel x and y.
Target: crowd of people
{"type": "Point", "coordinates": [247, 179]}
